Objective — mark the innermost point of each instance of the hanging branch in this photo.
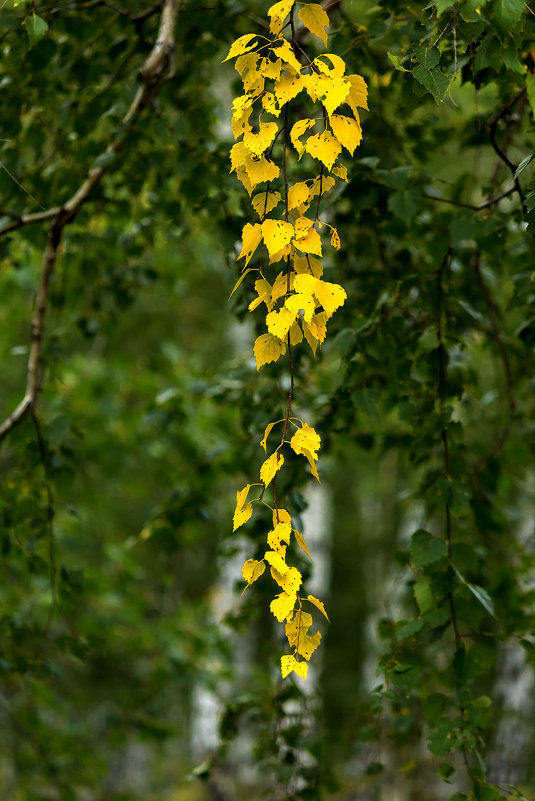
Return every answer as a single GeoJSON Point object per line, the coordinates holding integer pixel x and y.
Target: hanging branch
{"type": "Point", "coordinates": [151, 77]}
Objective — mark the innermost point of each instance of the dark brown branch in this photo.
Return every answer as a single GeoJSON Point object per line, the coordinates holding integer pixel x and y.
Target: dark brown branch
{"type": "Point", "coordinates": [151, 76]}
{"type": "Point", "coordinates": [487, 204]}
{"type": "Point", "coordinates": [500, 152]}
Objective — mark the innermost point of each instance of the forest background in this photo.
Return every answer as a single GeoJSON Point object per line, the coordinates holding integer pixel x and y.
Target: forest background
{"type": "Point", "coordinates": [130, 667]}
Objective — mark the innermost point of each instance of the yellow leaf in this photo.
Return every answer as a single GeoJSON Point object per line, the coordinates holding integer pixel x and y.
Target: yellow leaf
{"type": "Point", "coordinates": [296, 335]}
{"type": "Point", "coordinates": [298, 636]}
{"type": "Point", "coordinates": [298, 129]}
{"type": "Point", "coordinates": [308, 265]}
{"type": "Point", "coordinates": [278, 14]}
{"type": "Point", "coordinates": [280, 254]}
{"type": "Point", "coordinates": [277, 234]}
{"type": "Point", "coordinates": [276, 561]}
{"type": "Point", "coordinates": [270, 69]}
{"type": "Point", "coordinates": [283, 515]}
{"type": "Point", "coordinates": [270, 467]}
{"type": "Point", "coordinates": [279, 322]}
{"type": "Point", "coordinates": [282, 605]}
{"type": "Point", "coordinates": [257, 169]}
{"type": "Point", "coordinates": [241, 45]}
{"type": "Point", "coordinates": [281, 533]}
{"type": "Point", "coordinates": [333, 90]}
{"type": "Point", "coordinates": [347, 131]}
{"type": "Point", "coordinates": [290, 664]}
{"type": "Point", "coordinates": [358, 94]}
{"type": "Point", "coordinates": [243, 510]}
{"type": "Point", "coordinates": [252, 570]}
{"type": "Point", "coordinates": [316, 19]}
{"type": "Point", "coordinates": [257, 143]}
{"type": "Point", "coordinates": [324, 147]}
{"type": "Point", "coordinates": [265, 202]}
{"type": "Point", "coordinates": [301, 542]}
{"type": "Point", "coordinates": [311, 243]}
{"type": "Point", "coordinates": [297, 195]}
{"type": "Point", "coordinates": [246, 62]}
{"type": "Point", "coordinates": [280, 287]}
{"type": "Point", "coordinates": [267, 432]}
{"type": "Point", "coordinates": [251, 238]}
{"type": "Point", "coordinates": [253, 83]}
{"type": "Point", "coordinates": [289, 581]}
{"type": "Point", "coordinates": [302, 226]}
{"type": "Point", "coordinates": [318, 326]}
{"type": "Point", "coordinates": [263, 288]}
{"type": "Point", "coordinates": [240, 279]}
{"type": "Point", "coordinates": [312, 341]}
{"type": "Point", "coordinates": [323, 184]}
{"type": "Point", "coordinates": [285, 52]}
{"type": "Point", "coordinates": [306, 438]}
{"type": "Point", "coordinates": [305, 283]}
{"type": "Point", "coordinates": [312, 463]}
{"type": "Point", "coordinates": [341, 172]}
{"type": "Point", "coordinates": [287, 87]}
{"type": "Point", "coordinates": [331, 296]}
{"type": "Point", "coordinates": [240, 123]}
{"type": "Point", "coordinates": [267, 348]}
{"type": "Point", "coordinates": [302, 305]}
{"type": "Point", "coordinates": [335, 239]}
{"type": "Point", "coordinates": [337, 69]}
{"type": "Point", "coordinates": [269, 102]}
{"type": "Point", "coordinates": [319, 605]}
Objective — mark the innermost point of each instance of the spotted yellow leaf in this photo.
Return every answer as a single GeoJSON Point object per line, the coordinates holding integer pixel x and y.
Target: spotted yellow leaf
{"type": "Point", "coordinates": [277, 234]}
{"type": "Point", "coordinates": [319, 605]}
{"type": "Point", "coordinates": [316, 19]}
{"type": "Point", "coordinates": [282, 605]}
{"type": "Point", "coordinates": [298, 195]}
{"type": "Point", "coordinates": [277, 562]}
{"type": "Point", "coordinates": [281, 516]}
{"type": "Point", "coordinates": [263, 289]}
{"type": "Point", "coordinates": [253, 83]}
{"type": "Point", "coordinates": [267, 348]}
{"type": "Point", "coordinates": [347, 131]}
{"type": "Point", "coordinates": [279, 322]}
{"type": "Point", "coordinates": [323, 146]}
{"type": "Point", "coordinates": [289, 581]}
{"type": "Point", "coordinates": [285, 52]}
{"type": "Point", "coordinates": [335, 239]}
{"type": "Point", "coordinates": [301, 542]}
{"type": "Point", "coordinates": [270, 467]}
{"type": "Point", "coordinates": [289, 664]}
{"type": "Point", "coordinates": [297, 633]}
{"type": "Point", "coordinates": [341, 172]}
{"type": "Point", "coordinates": [257, 170]}
{"type": "Point", "coordinates": [358, 93]}
{"type": "Point", "coordinates": [277, 14]}
{"type": "Point", "coordinates": [318, 326]}
{"type": "Point", "coordinates": [269, 103]}
{"type": "Point", "coordinates": [270, 69]}
{"type": "Point", "coordinates": [306, 438]}
{"type": "Point", "coordinates": [331, 296]}
{"type": "Point", "coordinates": [243, 510]}
{"type": "Point", "coordinates": [308, 265]}
{"type": "Point", "coordinates": [287, 87]}
{"type": "Point", "coordinates": [265, 202]}
{"type": "Point", "coordinates": [337, 68]}
{"type": "Point", "coordinates": [311, 243]}
{"type": "Point", "coordinates": [302, 305]}
{"type": "Point", "coordinates": [257, 143]}
{"type": "Point", "coordinates": [241, 45]}
{"type": "Point", "coordinates": [240, 122]}
{"type": "Point", "coordinates": [251, 238]}
{"type": "Point", "coordinates": [298, 129]}
{"type": "Point", "coordinates": [246, 62]}
{"type": "Point", "coordinates": [296, 335]}
{"type": "Point", "coordinates": [280, 286]}
{"type": "Point", "coordinates": [280, 534]}
{"type": "Point", "coordinates": [252, 570]}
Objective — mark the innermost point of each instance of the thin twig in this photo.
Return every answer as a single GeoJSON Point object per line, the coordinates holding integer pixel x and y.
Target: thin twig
{"type": "Point", "coordinates": [151, 76]}
{"type": "Point", "coordinates": [487, 204]}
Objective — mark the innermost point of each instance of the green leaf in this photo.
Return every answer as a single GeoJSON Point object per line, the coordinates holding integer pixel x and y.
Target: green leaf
{"type": "Point", "coordinates": [530, 87]}
{"type": "Point", "coordinates": [426, 549]}
{"type": "Point", "coordinates": [396, 62]}
{"type": "Point", "coordinates": [427, 56]}
{"type": "Point", "coordinates": [482, 702]}
{"type": "Point", "coordinates": [508, 13]}
{"type": "Point", "coordinates": [410, 628]}
{"type": "Point", "coordinates": [423, 594]}
{"type": "Point", "coordinates": [483, 597]}
{"type": "Point", "coordinates": [443, 5]}
{"type": "Point", "coordinates": [36, 27]}
{"type": "Point", "coordinates": [523, 164]}
{"type": "Point", "coordinates": [434, 81]}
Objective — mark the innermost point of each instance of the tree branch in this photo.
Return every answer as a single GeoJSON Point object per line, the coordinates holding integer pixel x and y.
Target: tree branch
{"type": "Point", "coordinates": [151, 76]}
{"type": "Point", "coordinates": [487, 204]}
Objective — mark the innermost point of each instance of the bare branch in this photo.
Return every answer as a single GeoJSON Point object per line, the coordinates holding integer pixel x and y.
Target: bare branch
{"type": "Point", "coordinates": [151, 76]}
{"type": "Point", "coordinates": [480, 207]}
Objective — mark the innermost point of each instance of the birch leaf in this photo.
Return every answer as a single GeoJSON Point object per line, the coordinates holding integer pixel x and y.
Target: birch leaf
{"type": "Point", "coordinates": [285, 52]}
{"type": "Point", "coordinates": [251, 238]}
{"type": "Point", "coordinates": [338, 67]}
{"type": "Point", "coordinates": [308, 265]}
{"type": "Point", "coordinates": [277, 234]}
{"type": "Point", "coordinates": [311, 243]}
{"type": "Point", "coordinates": [243, 510]}
{"type": "Point", "coordinates": [289, 664]}
{"type": "Point", "coordinates": [341, 172]}
{"type": "Point", "coordinates": [265, 202]}
{"type": "Point", "coordinates": [282, 605]}
{"type": "Point", "coordinates": [318, 326]}
{"type": "Point", "coordinates": [358, 93]}
{"type": "Point", "coordinates": [319, 605]}
{"type": "Point", "coordinates": [287, 87]}
{"type": "Point", "coordinates": [267, 348]}
{"type": "Point", "coordinates": [298, 129]}
{"type": "Point", "coordinates": [311, 339]}
{"type": "Point", "coordinates": [298, 195]}
{"type": "Point", "coordinates": [284, 516]}
{"type": "Point", "coordinates": [306, 439]}
{"type": "Point", "coordinates": [263, 288]}
{"type": "Point", "coordinates": [347, 131]}
{"type": "Point", "coordinates": [245, 62]}
{"type": "Point", "coordinates": [335, 239]}
{"type": "Point", "coordinates": [279, 322]}
{"type": "Point", "coordinates": [323, 146]}
{"type": "Point", "coordinates": [312, 463]}
{"type": "Point", "coordinates": [305, 283]}
{"type": "Point", "coordinates": [289, 581]}
{"type": "Point", "coordinates": [298, 636]}
{"type": "Point", "coordinates": [316, 19]}
{"type": "Point", "coordinates": [267, 432]}
{"type": "Point", "coordinates": [257, 143]}
{"type": "Point", "coordinates": [301, 542]}
{"type": "Point", "coordinates": [331, 296]}
{"type": "Point", "coordinates": [276, 561]}
{"type": "Point", "coordinates": [269, 103]}
{"type": "Point", "coordinates": [277, 14]}
{"type": "Point", "coordinates": [252, 570]}
{"type": "Point", "coordinates": [241, 45]}
{"type": "Point", "coordinates": [270, 467]}
{"type": "Point", "coordinates": [281, 533]}
{"type": "Point", "coordinates": [301, 303]}
{"type": "Point", "coordinates": [280, 286]}
{"type": "Point", "coordinates": [296, 335]}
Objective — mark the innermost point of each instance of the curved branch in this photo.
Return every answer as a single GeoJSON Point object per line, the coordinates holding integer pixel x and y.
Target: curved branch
{"type": "Point", "coordinates": [151, 76]}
